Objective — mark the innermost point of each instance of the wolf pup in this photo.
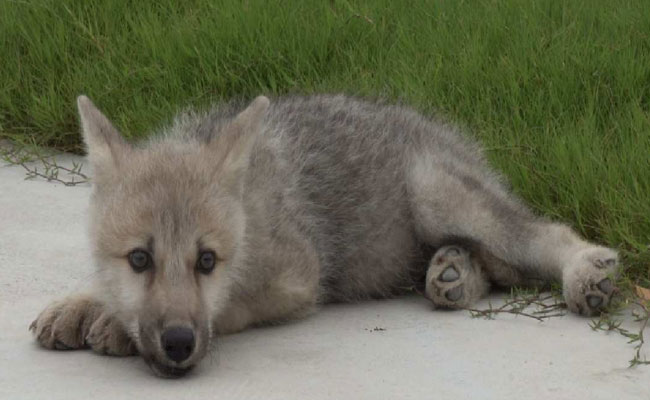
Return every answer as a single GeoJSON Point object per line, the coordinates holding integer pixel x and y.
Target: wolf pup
{"type": "Point", "coordinates": [241, 216]}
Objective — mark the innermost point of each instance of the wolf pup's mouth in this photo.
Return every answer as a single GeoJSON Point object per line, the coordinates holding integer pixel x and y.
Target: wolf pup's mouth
{"type": "Point", "coordinates": [165, 371]}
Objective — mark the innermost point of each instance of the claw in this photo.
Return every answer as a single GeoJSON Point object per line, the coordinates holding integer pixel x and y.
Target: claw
{"type": "Point", "coordinates": [60, 346]}
{"type": "Point", "coordinates": [608, 263]}
{"type": "Point", "coordinates": [452, 251]}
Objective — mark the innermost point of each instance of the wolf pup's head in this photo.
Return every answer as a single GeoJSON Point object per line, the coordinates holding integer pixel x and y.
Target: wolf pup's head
{"type": "Point", "coordinates": [165, 221]}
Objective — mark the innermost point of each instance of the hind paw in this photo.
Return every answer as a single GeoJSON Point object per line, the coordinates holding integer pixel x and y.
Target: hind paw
{"type": "Point", "coordinates": [452, 280]}
{"type": "Point", "coordinates": [588, 283]}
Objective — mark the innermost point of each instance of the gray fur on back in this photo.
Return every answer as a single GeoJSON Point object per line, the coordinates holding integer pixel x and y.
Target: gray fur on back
{"type": "Point", "coordinates": [334, 168]}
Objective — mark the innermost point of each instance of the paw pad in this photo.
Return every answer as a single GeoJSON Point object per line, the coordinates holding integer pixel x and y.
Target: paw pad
{"type": "Point", "coordinates": [606, 285]}
{"type": "Point", "coordinates": [594, 301]}
{"type": "Point", "coordinates": [454, 294]}
{"type": "Point", "coordinates": [450, 274]}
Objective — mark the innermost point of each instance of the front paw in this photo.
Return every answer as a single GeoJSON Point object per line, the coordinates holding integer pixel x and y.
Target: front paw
{"type": "Point", "coordinates": [107, 336]}
{"type": "Point", "coordinates": [63, 325]}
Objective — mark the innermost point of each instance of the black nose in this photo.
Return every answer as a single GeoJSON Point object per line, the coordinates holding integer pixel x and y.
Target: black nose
{"type": "Point", "coordinates": [178, 343]}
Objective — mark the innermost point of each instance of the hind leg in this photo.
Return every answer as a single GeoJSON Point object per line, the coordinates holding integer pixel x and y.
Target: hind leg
{"type": "Point", "coordinates": [455, 279]}
{"type": "Point", "coordinates": [451, 201]}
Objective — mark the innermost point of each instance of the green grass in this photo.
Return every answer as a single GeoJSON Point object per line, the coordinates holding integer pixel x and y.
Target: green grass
{"type": "Point", "coordinates": [558, 91]}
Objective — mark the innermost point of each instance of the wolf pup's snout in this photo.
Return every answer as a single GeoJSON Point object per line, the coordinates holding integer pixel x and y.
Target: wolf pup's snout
{"type": "Point", "coordinates": [178, 343]}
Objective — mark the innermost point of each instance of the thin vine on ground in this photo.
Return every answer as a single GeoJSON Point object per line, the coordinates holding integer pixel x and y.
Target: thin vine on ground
{"type": "Point", "coordinates": [38, 165]}
{"type": "Point", "coordinates": [543, 306]}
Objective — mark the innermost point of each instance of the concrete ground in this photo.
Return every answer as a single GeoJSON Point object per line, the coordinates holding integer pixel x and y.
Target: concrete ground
{"type": "Point", "coordinates": [393, 349]}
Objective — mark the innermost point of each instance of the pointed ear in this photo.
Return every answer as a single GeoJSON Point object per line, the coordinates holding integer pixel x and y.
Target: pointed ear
{"type": "Point", "coordinates": [234, 144]}
{"type": "Point", "coordinates": [104, 143]}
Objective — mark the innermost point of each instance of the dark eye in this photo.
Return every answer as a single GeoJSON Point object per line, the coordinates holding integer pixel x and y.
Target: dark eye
{"type": "Point", "coordinates": [139, 260]}
{"type": "Point", "coordinates": [206, 261]}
